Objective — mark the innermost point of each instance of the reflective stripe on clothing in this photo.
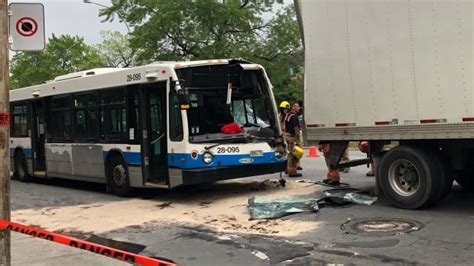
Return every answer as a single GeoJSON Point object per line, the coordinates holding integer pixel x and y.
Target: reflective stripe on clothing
{"type": "Point", "coordinates": [292, 160]}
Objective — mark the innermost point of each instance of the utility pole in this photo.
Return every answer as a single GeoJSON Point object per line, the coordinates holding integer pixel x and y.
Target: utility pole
{"type": "Point", "coordinates": [4, 135]}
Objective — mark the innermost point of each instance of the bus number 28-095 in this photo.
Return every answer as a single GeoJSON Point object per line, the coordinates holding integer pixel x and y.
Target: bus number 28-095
{"type": "Point", "coordinates": [228, 150]}
{"type": "Point", "coordinates": [134, 77]}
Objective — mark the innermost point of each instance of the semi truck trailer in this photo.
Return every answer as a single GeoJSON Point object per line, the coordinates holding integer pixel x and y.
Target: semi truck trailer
{"type": "Point", "coordinates": [396, 72]}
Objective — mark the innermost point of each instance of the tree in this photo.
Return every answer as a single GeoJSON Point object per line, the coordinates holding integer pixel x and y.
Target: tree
{"type": "Point", "coordinates": [190, 29]}
{"type": "Point", "coordinates": [115, 49]}
{"type": "Point", "coordinates": [62, 55]}
{"type": "Point", "coordinates": [204, 29]}
{"type": "Point", "coordinates": [281, 52]}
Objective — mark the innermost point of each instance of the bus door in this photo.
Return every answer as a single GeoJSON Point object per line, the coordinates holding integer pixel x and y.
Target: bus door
{"type": "Point", "coordinates": [154, 139]}
{"type": "Point", "coordinates": [38, 137]}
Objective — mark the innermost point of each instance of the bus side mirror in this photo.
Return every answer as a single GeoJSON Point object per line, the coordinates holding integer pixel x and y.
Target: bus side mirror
{"type": "Point", "coordinates": [183, 97]}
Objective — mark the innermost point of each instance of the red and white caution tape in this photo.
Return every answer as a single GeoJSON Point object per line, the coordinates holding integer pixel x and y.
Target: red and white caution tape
{"type": "Point", "coordinates": [85, 245]}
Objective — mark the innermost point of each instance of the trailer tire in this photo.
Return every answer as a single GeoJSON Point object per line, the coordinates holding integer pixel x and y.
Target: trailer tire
{"type": "Point", "coordinates": [118, 178]}
{"type": "Point", "coordinates": [447, 178]}
{"type": "Point", "coordinates": [409, 177]}
{"type": "Point", "coordinates": [20, 170]}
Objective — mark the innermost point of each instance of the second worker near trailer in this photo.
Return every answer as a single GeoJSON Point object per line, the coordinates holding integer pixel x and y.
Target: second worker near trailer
{"type": "Point", "coordinates": [293, 130]}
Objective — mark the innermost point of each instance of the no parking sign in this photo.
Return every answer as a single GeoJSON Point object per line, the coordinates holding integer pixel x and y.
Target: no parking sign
{"type": "Point", "coordinates": [26, 26]}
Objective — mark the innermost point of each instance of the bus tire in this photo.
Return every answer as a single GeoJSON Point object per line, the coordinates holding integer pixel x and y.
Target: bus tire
{"type": "Point", "coordinates": [408, 177]}
{"type": "Point", "coordinates": [118, 179]}
{"type": "Point", "coordinates": [20, 170]}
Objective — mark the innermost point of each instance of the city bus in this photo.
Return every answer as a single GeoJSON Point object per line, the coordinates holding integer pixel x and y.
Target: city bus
{"type": "Point", "coordinates": [158, 125]}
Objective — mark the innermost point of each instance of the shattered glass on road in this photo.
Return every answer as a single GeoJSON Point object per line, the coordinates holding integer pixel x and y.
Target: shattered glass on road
{"type": "Point", "coordinates": [270, 209]}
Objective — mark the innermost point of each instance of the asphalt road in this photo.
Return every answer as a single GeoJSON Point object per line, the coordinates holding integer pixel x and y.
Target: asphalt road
{"type": "Point", "coordinates": [443, 235]}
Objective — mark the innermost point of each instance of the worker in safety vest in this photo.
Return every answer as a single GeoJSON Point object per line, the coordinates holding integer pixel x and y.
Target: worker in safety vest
{"type": "Point", "coordinates": [284, 109]}
{"type": "Point", "coordinates": [293, 130]}
{"type": "Point", "coordinates": [364, 147]}
{"type": "Point", "coordinates": [333, 177]}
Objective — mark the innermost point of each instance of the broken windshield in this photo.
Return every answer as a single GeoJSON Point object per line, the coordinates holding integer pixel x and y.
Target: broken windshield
{"type": "Point", "coordinates": [226, 94]}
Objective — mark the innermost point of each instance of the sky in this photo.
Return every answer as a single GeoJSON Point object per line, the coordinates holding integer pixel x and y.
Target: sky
{"type": "Point", "coordinates": [75, 17]}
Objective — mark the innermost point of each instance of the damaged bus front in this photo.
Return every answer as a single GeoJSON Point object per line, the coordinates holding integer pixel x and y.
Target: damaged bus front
{"type": "Point", "coordinates": [232, 124]}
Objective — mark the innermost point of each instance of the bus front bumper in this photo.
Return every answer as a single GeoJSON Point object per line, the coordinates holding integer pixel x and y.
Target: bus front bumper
{"type": "Point", "coordinates": [197, 176]}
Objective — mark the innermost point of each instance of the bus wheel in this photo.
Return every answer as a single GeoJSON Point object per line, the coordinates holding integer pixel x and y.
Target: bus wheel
{"type": "Point", "coordinates": [20, 171]}
{"type": "Point", "coordinates": [408, 177]}
{"type": "Point", "coordinates": [118, 178]}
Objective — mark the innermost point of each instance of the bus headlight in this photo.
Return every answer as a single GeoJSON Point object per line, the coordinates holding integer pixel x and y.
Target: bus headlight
{"type": "Point", "coordinates": [207, 157]}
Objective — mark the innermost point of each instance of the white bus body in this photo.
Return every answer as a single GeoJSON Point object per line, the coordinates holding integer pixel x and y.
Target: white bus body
{"type": "Point", "coordinates": [130, 128]}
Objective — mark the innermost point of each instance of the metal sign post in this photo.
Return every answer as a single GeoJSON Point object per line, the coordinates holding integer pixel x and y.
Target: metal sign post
{"type": "Point", "coordinates": [26, 27]}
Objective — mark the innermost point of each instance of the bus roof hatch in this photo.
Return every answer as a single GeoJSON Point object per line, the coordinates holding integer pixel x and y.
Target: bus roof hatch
{"type": "Point", "coordinates": [85, 73]}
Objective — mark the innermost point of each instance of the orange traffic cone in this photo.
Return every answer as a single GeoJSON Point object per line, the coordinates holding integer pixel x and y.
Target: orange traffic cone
{"type": "Point", "coordinates": [313, 152]}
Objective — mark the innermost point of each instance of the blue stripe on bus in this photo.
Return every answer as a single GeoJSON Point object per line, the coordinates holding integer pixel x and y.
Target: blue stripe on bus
{"type": "Point", "coordinates": [26, 152]}
{"type": "Point", "coordinates": [184, 160]}
{"type": "Point", "coordinates": [131, 157]}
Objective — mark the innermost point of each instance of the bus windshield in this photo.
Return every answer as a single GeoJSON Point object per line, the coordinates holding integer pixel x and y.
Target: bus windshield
{"type": "Point", "coordinates": [224, 94]}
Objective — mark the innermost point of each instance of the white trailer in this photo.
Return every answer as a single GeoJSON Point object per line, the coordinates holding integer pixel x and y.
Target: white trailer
{"type": "Point", "coordinates": [393, 70]}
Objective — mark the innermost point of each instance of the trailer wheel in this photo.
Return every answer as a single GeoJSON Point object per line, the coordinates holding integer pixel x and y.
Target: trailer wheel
{"type": "Point", "coordinates": [408, 177]}
{"type": "Point", "coordinates": [446, 176]}
{"type": "Point", "coordinates": [118, 178]}
{"type": "Point", "coordinates": [20, 169]}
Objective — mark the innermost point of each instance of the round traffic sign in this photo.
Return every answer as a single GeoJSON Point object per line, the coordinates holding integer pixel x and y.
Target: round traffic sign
{"type": "Point", "coordinates": [26, 26]}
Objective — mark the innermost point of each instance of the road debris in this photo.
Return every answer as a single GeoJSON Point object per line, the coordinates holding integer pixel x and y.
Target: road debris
{"type": "Point", "coordinates": [268, 184]}
{"type": "Point", "coordinates": [264, 209]}
{"type": "Point", "coordinates": [260, 255]}
{"type": "Point", "coordinates": [204, 204]}
{"type": "Point", "coordinates": [349, 195]}
{"type": "Point", "coordinates": [164, 205]}
{"type": "Point", "coordinates": [270, 209]}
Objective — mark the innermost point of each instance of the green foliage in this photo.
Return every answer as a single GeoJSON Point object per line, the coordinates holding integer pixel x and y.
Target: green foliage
{"type": "Point", "coordinates": [64, 54]}
{"type": "Point", "coordinates": [187, 29]}
{"type": "Point", "coordinates": [282, 55]}
{"type": "Point", "coordinates": [205, 29]}
{"type": "Point", "coordinates": [115, 49]}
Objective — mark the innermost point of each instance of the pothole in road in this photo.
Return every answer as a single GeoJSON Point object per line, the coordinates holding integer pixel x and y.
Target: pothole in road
{"type": "Point", "coordinates": [380, 226]}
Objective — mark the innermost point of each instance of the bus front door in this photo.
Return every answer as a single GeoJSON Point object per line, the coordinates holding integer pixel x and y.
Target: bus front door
{"type": "Point", "coordinates": [38, 138]}
{"type": "Point", "coordinates": [154, 139]}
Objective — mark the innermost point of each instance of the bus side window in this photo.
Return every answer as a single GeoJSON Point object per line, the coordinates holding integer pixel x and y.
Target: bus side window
{"type": "Point", "coordinates": [85, 116]}
{"type": "Point", "coordinates": [19, 120]}
{"type": "Point", "coordinates": [118, 122]}
{"type": "Point", "coordinates": [176, 123]}
{"type": "Point", "coordinates": [113, 115]}
{"type": "Point", "coordinates": [61, 117]}
{"type": "Point", "coordinates": [133, 116]}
